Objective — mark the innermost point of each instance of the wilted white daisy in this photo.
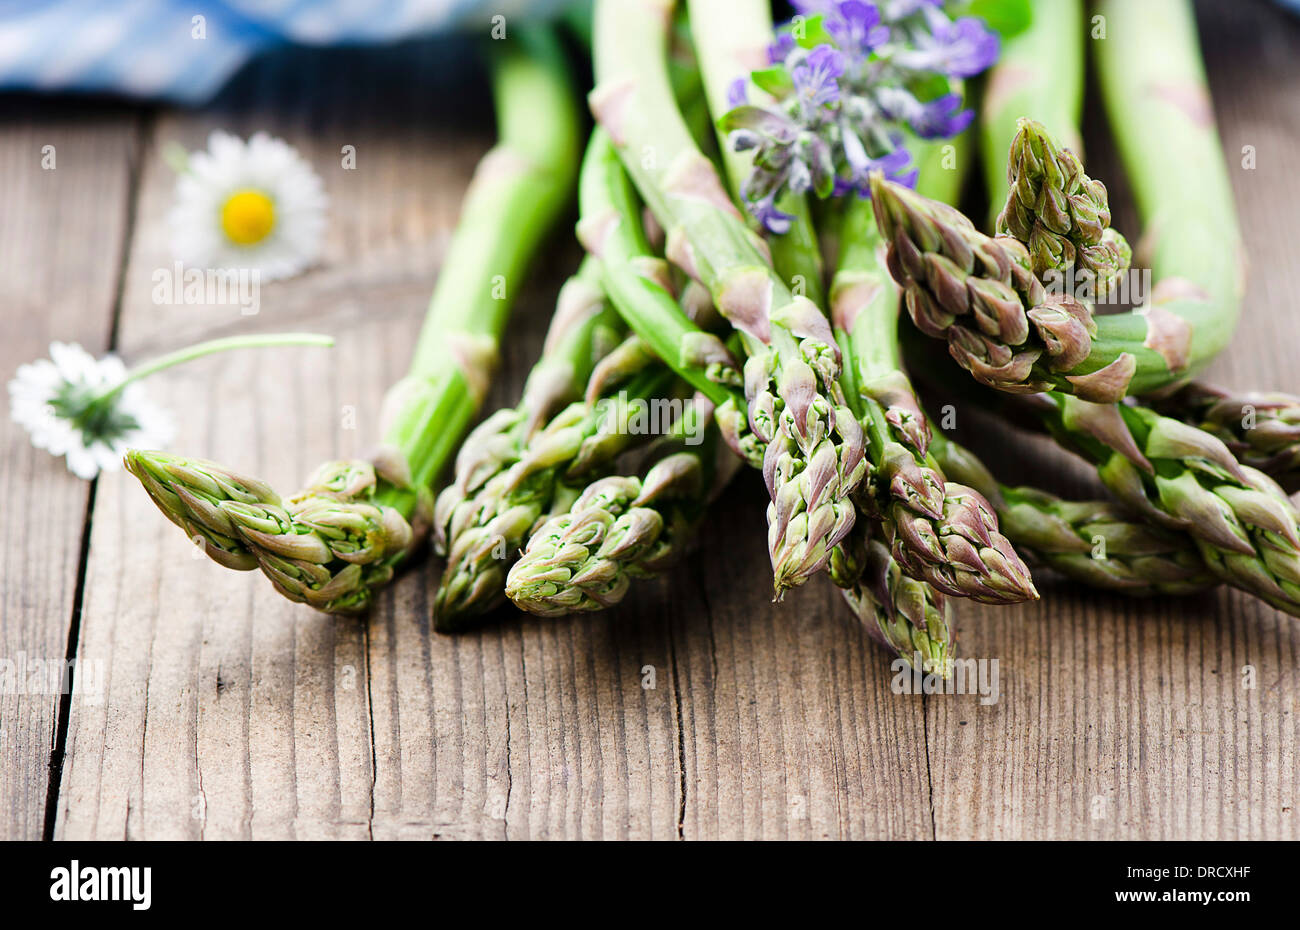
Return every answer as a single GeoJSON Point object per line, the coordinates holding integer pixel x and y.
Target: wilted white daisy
{"type": "Point", "coordinates": [255, 205]}
{"type": "Point", "coordinates": [92, 411]}
{"type": "Point", "coordinates": [81, 408]}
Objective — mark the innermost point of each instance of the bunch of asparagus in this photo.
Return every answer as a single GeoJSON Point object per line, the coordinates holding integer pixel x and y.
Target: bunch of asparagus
{"type": "Point", "coordinates": [705, 329]}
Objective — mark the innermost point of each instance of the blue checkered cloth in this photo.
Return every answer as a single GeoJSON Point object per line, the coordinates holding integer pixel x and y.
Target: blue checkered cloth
{"type": "Point", "coordinates": [185, 51]}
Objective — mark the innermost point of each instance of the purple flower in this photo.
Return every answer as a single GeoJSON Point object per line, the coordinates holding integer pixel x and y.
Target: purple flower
{"type": "Point", "coordinates": [814, 77]}
{"type": "Point", "coordinates": [960, 49]}
{"type": "Point", "coordinates": [968, 47]}
{"type": "Point", "coordinates": [737, 93]}
{"type": "Point", "coordinates": [857, 28]}
{"type": "Point", "coordinates": [769, 216]}
{"type": "Point", "coordinates": [941, 118]}
{"type": "Point", "coordinates": [861, 165]}
{"type": "Point", "coordinates": [780, 50]}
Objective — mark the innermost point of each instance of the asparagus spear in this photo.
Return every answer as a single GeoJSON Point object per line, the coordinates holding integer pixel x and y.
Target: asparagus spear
{"type": "Point", "coordinates": [814, 445]}
{"type": "Point", "coordinates": [1158, 104]}
{"type": "Point", "coordinates": [731, 39]}
{"type": "Point", "coordinates": [1261, 428]}
{"type": "Point", "coordinates": [623, 527]}
{"type": "Point", "coordinates": [1060, 214]}
{"type": "Point", "coordinates": [609, 229]}
{"type": "Point", "coordinates": [904, 615]}
{"type": "Point", "coordinates": [333, 544]}
{"type": "Point", "coordinates": [1187, 480]}
{"type": "Point", "coordinates": [940, 532]}
{"type": "Point", "coordinates": [619, 528]}
{"type": "Point", "coordinates": [1094, 542]}
{"type": "Point", "coordinates": [981, 294]}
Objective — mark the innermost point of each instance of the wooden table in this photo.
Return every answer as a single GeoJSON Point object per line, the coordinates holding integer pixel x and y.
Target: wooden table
{"type": "Point", "coordinates": [695, 710]}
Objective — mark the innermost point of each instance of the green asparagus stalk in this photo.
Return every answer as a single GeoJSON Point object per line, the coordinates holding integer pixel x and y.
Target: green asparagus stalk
{"type": "Point", "coordinates": [336, 542]}
{"type": "Point", "coordinates": [1158, 105]}
{"type": "Point", "coordinates": [1261, 428]}
{"type": "Point", "coordinates": [624, 527]}
{"type": "Point", "coordinates": [940, 532]}
{"type": "Point", "coordinates": [1187, 480]}
{"type": "Point", "coordinates": [814, 444]}
{"type": "Point", "coordinates": [1157, 101]}
{"type": "Point", "coordinates": [619, 528]}
{"type": "Point", "coordinates": [1094, 542]}
{"type": "Point", "coordinates": [907, 616]}
{"type": "Point", "coordinates": [609, 230]}
{"type": "Point", "coordinates": [487, 529]}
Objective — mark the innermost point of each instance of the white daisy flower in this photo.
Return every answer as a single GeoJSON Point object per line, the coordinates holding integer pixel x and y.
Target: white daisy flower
{"type": "Point", "coordinates": [80, 408]}
{"type": "Point", "coordinates": [255, 205]}
{"type": "Point", "coordinates": [94, 411]}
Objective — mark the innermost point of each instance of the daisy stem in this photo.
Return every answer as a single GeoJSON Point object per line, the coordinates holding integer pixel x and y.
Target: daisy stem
{"type": "Point", "coordinates": [211, 347]}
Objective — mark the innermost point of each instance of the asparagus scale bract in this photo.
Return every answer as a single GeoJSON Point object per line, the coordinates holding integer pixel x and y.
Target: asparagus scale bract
{"type": "Point", "coordinates": [336, 542]}
{"type": "Point", "coordinates": [814, 456]}
{"type": "Point", "coordinates": [1262, 428]}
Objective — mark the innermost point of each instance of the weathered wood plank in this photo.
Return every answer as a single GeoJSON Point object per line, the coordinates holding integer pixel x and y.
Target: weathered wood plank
{"type": "Point", "coordinates": [790, 730]}
{"type": "Point", "coordinates": [61, 243]}
{"type": "Point", "coordinates": [1134, 720]}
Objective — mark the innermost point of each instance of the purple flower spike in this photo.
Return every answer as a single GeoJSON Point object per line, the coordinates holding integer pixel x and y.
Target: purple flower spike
{"type": "Point", "coordinates": [814, 77]}
{"type": "Point", "coordinates": [840, 106]}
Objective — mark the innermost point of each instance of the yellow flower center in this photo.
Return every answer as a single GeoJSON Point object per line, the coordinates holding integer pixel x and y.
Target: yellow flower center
{"type": "Point", "coordinates": [247, 217]}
